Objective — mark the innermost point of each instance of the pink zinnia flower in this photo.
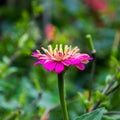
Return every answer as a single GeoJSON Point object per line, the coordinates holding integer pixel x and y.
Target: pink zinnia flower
{"type": "Point", "coordinates": [56, 59]}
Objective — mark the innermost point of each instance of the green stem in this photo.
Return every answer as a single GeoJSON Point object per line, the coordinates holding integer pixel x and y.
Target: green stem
{"type": "Point", "coordinates": [61, 94]}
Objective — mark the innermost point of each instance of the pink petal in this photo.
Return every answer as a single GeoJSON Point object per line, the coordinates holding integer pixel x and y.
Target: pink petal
{"type": "Point", "coordinates": [80, 66]}
{"type": "Point", "coordinates": [75, 61]}
{"type": "Point", "coordinates": [85, 57]}
{"type": "Point", "coordinates": [43, 57]}
{"type": "Point", "coordinates": [66, 62]}
{"type": "Point", "coordinates": [59, 67]}
{"type": "Point", "coordinates": [39, 62]}
{"type": "Point", "coordinates": [39, 56]}
{"type": "Point", "coordinates": [34, 54]}
{"type": "Point", "coordinates": [50, 65]}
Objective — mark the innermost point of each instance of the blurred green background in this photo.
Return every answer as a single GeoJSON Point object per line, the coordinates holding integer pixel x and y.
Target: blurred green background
{"type": "Point", "coordinates": [28, 92]}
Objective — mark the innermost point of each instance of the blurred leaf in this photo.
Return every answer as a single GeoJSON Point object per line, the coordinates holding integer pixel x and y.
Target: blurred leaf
{"type": "Point", "coordinates": [6, 59]}
{"type": "Point", "coordinates": [94, 115]}
{"type": "Point", "coordinates": [111, 117]}
{"type": "Point", "coordinates": [12, 104]}
{"type": "Point", "coordinates": [114, 62]}
{"type": "Point", "coordinates": [113, 105]}
{"type": "Point", "coordinates": [99, 96]}
{"type": "Point", "coordinates": [5, 70]}
{"type": "Point", "coordinates": [22, 98]}
{"type": "Point", "coordinates": [84, 101]}
{"type": "Point", "coordinates": [48, 100]}
{"type": "Point", "coordinates": [22, 40]}
{"type": "Point", "coordinates": [108, 78]}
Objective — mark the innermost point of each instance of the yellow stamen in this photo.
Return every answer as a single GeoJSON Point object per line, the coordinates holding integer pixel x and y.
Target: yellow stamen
{"type": "Point", "coordinates": [57, 46]}
{"type": "Point", "coordinates": [50, 49]}
{"type": "Point", "coordinates": [38, 51]}
{"type": "Point", "coordinates": [46, 51]}
{"type": "Point", "coordinates": [56, 50]}
{"type": "Point", "coordinates": [61, 49]}
{"type": "Point", "coordinates": [75, 50]}
{"type": "Point", "coordinates": [66, 49]}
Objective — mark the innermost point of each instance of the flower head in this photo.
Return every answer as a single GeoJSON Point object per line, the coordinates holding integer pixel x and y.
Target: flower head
{"type": "Point", "coordinates": [56, 59]}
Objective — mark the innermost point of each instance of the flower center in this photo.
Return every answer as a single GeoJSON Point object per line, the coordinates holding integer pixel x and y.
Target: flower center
{"type": "Point", "coordinates": [60, 54]}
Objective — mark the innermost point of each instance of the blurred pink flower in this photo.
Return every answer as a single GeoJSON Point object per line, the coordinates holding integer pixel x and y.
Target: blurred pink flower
{"type": "Point", "coordinates": [50, 32]}
{"type": "Point", "coordinates": [57, 59]}
{"type": "Point", "coordinates": [97, 5]}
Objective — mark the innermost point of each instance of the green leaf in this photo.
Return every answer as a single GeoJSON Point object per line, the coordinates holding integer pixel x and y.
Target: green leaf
{"type": "Point", "coordinates": [94, 115]}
